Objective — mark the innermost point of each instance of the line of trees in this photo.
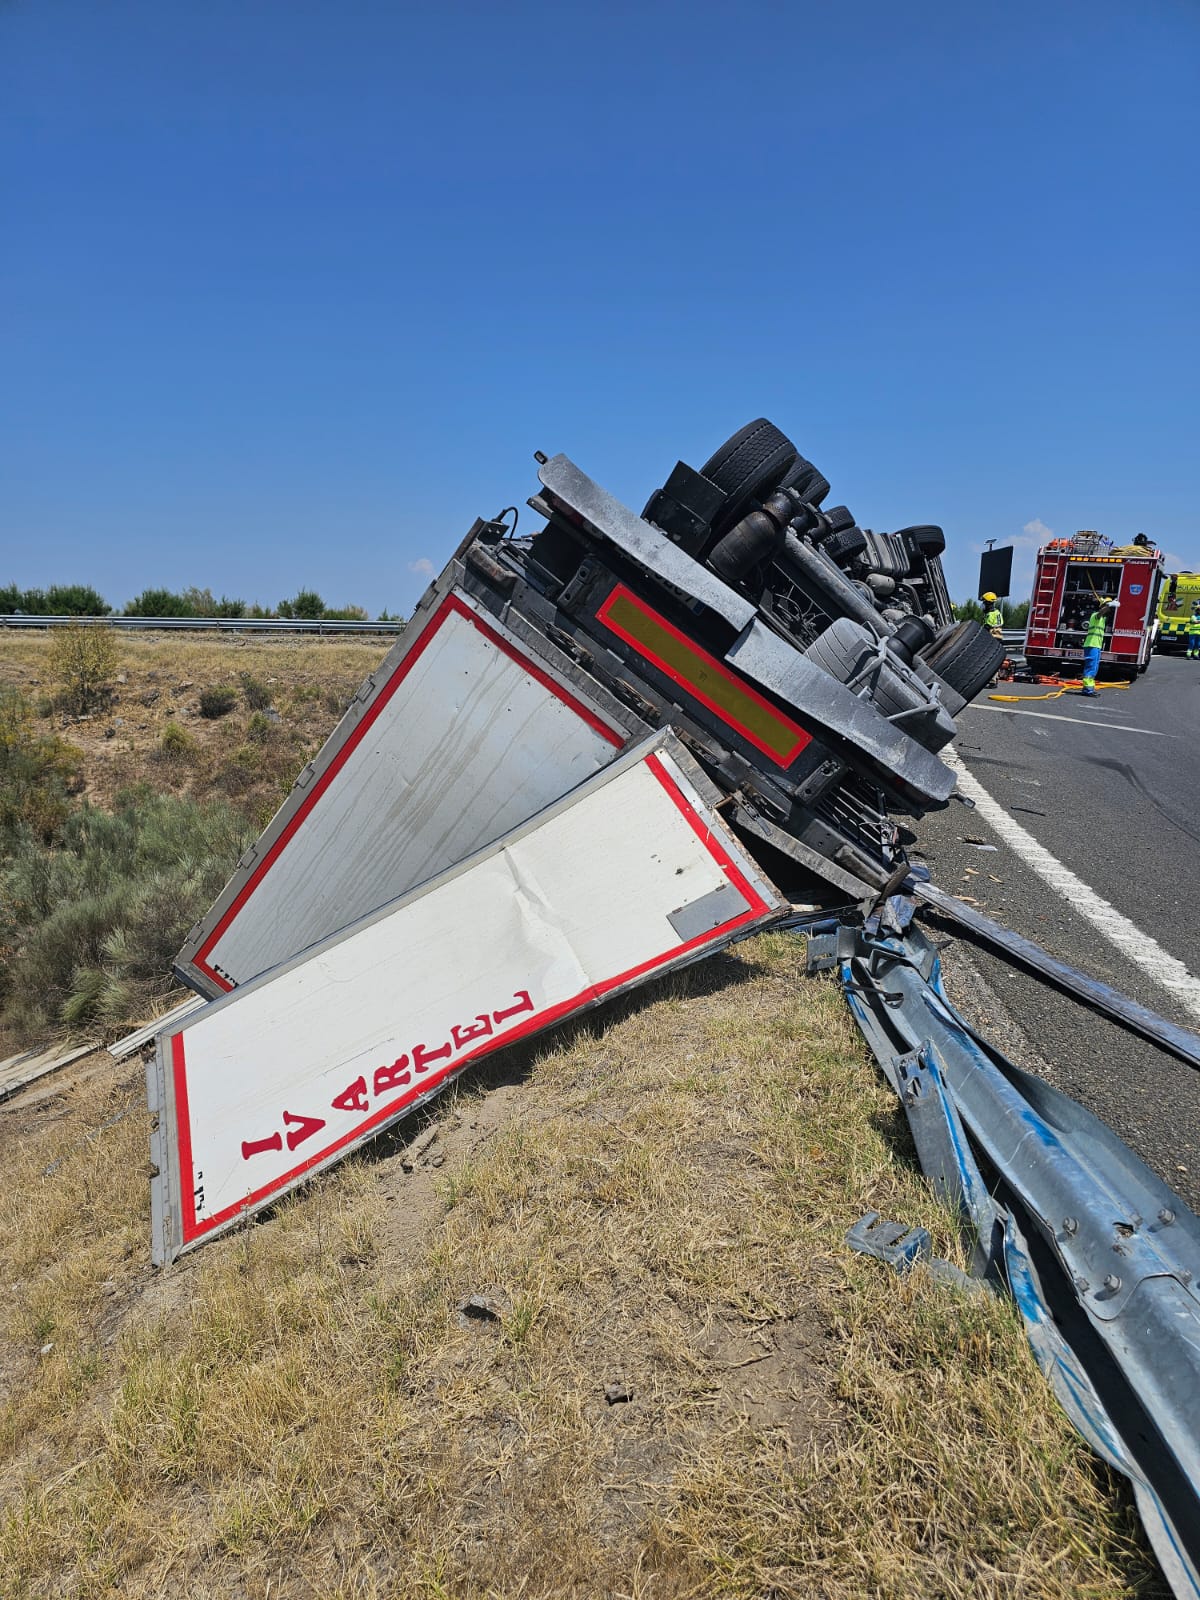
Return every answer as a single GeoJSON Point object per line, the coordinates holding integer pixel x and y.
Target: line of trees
{"type": "Point", "coordinates": [60, 600]}
{"type": "Point", "coordinates": [1015, 615]}
{"type": "Point", "coordinates": [81, 600]}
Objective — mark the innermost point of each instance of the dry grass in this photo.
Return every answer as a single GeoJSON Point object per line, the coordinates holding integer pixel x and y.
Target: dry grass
{"type": "Point", "coordinates": [151, 726]}
{"type": "Point", "coordinates": [654, 1200]}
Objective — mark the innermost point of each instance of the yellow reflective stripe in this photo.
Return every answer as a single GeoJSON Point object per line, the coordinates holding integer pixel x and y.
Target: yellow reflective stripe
{"type": "Point", "coordinates": [704, 677]}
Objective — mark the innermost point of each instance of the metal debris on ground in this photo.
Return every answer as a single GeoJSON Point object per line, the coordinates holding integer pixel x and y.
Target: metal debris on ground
{"type": "Point", "coordinates": [19, 1071]}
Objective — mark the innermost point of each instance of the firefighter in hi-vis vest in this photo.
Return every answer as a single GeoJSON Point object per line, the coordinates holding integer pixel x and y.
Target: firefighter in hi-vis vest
{"type": "Point", "coordinates": [993, 617]}
{"type": "Point", "coordinates": [1093, 643]}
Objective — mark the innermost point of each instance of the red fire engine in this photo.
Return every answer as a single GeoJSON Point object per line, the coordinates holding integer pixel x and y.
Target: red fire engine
{"type": "Point", "coordinates": [1071, 576]}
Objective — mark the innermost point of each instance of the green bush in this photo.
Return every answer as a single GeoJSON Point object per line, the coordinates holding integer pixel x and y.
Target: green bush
{"type": "Point", "coordinates": [1015, 616]}
{"type": "Point", "coordinates": [176, 742]}
{"type": "Point", "coordinates": [160, 603]}
{"type": "Point", "coordinates": [60, 600]}
{"type": "Point", "coordinates": [37, 774]}
{"type": "Point", "coordinates": [218, 701]}
{"type": "Point", "coordinates": [257, 693]}
{"type": "Point", "coordinates": [260, 728]}
{"type": "Point", "coordinates": [307, 605]}
{"type": "Point", "coordinates": [92, 923]}
{"type": "Point", "coordinates": [84, 661]}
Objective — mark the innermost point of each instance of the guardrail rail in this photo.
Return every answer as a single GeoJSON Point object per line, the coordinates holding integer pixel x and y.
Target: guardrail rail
{"type": "Point", "coordinates": [205, 624]}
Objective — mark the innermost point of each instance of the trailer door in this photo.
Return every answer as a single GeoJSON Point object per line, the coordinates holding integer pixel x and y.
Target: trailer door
{"type": "Point", "coordinates": [630, 875]}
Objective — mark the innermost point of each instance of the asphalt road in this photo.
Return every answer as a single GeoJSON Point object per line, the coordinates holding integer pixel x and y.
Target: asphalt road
{"type": "Point", "coordinates": [1108, 786]}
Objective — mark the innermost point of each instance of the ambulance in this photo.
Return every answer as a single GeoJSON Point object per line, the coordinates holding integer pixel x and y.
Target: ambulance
{"type": "Point", "coordinates": [1179, 590]}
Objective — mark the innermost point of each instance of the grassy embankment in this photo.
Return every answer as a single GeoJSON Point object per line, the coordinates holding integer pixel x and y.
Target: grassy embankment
{"type": "Point", "coordinates": [687, 1386]}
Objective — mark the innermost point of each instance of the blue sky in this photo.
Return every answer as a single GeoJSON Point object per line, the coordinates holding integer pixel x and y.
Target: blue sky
{"type": "Point", "coordinates": [291, 292]}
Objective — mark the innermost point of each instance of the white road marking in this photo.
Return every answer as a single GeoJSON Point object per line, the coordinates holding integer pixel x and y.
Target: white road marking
{"type": "Point", "coordinates": [1052, 716]}
{"type": "Point", "coordinates": [1136, 946]}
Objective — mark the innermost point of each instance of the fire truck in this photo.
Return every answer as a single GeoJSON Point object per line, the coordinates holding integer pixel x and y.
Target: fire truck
{"type": "Point", "coordinates": [1072, 575]}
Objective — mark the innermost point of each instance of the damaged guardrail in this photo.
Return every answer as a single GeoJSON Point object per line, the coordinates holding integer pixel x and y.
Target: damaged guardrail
{"type": "Point", "coordinates": [1102, 1258]}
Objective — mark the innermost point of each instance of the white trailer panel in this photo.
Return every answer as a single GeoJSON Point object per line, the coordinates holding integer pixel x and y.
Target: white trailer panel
{"type": "Point", "coordinates": [630, 875]}
{"type": "Point", "coordinates": [465, 735]}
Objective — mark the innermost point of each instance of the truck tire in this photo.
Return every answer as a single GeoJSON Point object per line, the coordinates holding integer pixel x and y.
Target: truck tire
{"type": "Point", "coordinates": [747, 467]}
{"type": "Point", "coordinates": [839, 518]}
{"type": "Point", "coordinates": [843, 546]}
{"type": "Point", "coordinates": [812, 486]}
{"type": "Point", "coordinates": [925, 537]}
{"type": "Point", "coordinates": [966, 657]}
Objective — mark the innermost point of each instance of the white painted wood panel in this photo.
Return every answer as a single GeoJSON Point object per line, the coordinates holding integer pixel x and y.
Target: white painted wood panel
{"type": "Point", "coordinates": [289, 1072]}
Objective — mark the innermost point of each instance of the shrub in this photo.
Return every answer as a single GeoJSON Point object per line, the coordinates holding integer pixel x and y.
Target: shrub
{"type": "Point", "coordinates": [60, 600]}
{"type": "Point", "coordinates": [1015, 616]}
{"type": "Point", "coordinates": [176, 742]}
{"type": "Point", "coordinates": [307, 605]}
{"type": "Point", "coordinates": [218, 701]}
{"type": "Point", "coordinates": [260, 728]}
{"type": "Point", "coordinates": [76, 600]}
{"type": "Point", "coordinates": [258, 695]}
{"type": "Point", "coordinates": [37, 774]}
{"type": "Point", "coordinates": [84, 660]}
{"type": "Point", "coordinates": [161, 603]}
{"type": "Point", "coordinates": [95, 921]}
{"type": "Point", "coordinates": [348, 614]}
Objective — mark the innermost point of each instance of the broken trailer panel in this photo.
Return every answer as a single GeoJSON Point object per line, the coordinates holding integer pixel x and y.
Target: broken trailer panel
{"type": "Point", "coordinates": [631, 875]}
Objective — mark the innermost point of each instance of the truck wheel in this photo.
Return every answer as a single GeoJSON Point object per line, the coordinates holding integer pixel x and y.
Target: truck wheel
{"type": "Point", "coordinates": [966, 657]}
{"type": "Point", "coordinates": [812, 486]}
{"type": "Point", "coordinates": [747, 467]}
{"type": "Point", "coordinates": [927, 538]}
{"type": "Point", "coordinates": [844, 545]}
{"type": "Point", "coordinates": [1144, 668]}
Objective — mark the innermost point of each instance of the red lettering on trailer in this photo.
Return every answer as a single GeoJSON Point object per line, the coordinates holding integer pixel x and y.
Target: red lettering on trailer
{"type": "Point", "coordinates": [423, 1056]}
{"type": "Point", "coordinates": [304, 1128]}
{"type": "Point", "coordinates": [194, 1227]}
{"type": "Point", "coordinates": [524, 1003]}
{"type": "Point", "coordinates": [463, 1032]}
{"type": "Point", "coordinates": [396, 1076]}
{"type": "Point", "coordinates": [352, 1099]}
{"type": "Point", "coordinates": [256, 1147]}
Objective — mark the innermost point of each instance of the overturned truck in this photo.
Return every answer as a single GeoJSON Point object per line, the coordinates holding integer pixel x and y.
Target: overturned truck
{"type": "Point", "coordinates": [749, 688]}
